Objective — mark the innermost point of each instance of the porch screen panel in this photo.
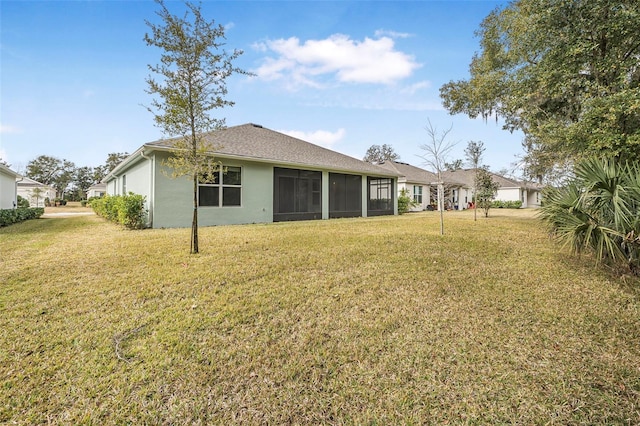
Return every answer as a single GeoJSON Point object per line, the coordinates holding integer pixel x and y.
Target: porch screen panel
{"type": "Point", "coordinates": [380, 196]}
{"type": "Point", "coordinates": [297, 194]}
{"type": "Point", "coordinates": [345, 195]}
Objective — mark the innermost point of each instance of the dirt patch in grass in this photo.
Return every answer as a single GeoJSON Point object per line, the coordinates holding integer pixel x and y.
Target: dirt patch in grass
{"type": "Point", "coordinates": [377, 320]}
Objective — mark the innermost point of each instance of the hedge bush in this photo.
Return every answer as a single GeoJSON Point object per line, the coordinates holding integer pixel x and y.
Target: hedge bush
{"type": "Point", "coordinates": [11, 216]}
{"type": "Point", "coordinates": [127, 210]}
{"type": "Point", "coordinates": [405, 202]}
{"type": "Point", "coordinates": [23, 203]}
{"type": "Point", "coordinates": [506, 204]}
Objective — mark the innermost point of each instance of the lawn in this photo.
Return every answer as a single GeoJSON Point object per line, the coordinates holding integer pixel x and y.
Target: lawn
{"type": "Point", "coordinates": [347, 321]}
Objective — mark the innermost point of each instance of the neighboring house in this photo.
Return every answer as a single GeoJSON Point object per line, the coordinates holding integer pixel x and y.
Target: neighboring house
{"type": "Point", "coordinates": [35, 192]}
{"type": "Point", "coordinates": [508, 190]}
{"type": "Point", "coordinates": [266, 177]}
{"type": "Point", "coordinates": [8, 188]}
{"type": "Point", "coordinates": [97, 190]}
{"type": "Point", "coordinates": [416, 181]}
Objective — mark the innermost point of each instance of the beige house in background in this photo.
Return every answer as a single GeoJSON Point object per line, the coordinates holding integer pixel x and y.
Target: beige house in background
{"type": "Point", "coordinates": [458, 187]}
{"type": "Point", "coordinates": [8, 188]}
{"type": "Point", "coordinates": [509, 189]}
{"type": "Point", "coordinates": [35, 192]}
{"type": "Point", "coordinates": [416, 181]}
{"type": "Point", "coordinates": [97, 190]}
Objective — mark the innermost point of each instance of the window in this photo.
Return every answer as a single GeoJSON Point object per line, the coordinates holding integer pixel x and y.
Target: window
{"type": "Point", "coordinates": [345, 195]}
{"type": "Point", "coordinates": [417, 194]}
{"type": "Point", "coordinates": [297, 194]}
{"type": "Point", "coordinates": [124, 184]}
{"type": "Point", "coordinates": [380, 196]}
{"type": "Point", "coordinates": [222, 189]}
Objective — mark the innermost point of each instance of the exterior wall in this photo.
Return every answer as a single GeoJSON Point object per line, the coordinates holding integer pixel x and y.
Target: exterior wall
{"type": "Point", "coordinates": [534, 198]}
{"type": "Point", "coordinates": [97, 191]}
{"type": "Point", "coordinates": [509, 194]}
{"type": "Point", "coordinates": [454, 198]}
{"type": "Point", "coordinates": [425, 195]}
{"type": "Point", "coordinates": [173, 198]}
{"type": "Point", "coordinates": [111, 187]}
{"type": "Point", "coordinates": [27, 193]}
{"type": "Point", "coordinates": [408, 186]}
{"type": "Point", "coordinates": [8, 190]}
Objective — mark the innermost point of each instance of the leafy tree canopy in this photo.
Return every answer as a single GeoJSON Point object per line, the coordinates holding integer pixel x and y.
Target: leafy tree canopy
{"type": "Point", "coordinates": [487, 189]}
{"type": "Point", "coordinates": [379, 154]}
{"type": "Point", "coordinates": [51, 171]}
{"type": "Point", "coordinates": [565, 73]}
{"type": "Point", "coordinates": [83, 178]}
{"type": "Point", "coordinates": [453, 165]}
{"type": "Point", "coordinates": [113, 159]}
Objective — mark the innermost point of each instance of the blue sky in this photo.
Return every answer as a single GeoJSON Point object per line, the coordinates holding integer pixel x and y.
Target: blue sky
{"type": "Point", "coordinates": [344, 75]}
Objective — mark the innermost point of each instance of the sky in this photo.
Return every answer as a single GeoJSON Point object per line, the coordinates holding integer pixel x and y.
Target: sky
{"type": "Point", "coordinates": [345, 75]}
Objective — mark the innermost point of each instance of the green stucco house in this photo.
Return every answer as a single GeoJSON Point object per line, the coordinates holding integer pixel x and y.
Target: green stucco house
{"type": "Point", "coordinates": [266, 176]}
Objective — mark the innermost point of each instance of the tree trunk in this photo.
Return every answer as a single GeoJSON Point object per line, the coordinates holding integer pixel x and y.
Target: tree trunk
{"type": "Point", "coordinates": [441, 206]}
{"type": "Point", "coordinates": [194, 223]}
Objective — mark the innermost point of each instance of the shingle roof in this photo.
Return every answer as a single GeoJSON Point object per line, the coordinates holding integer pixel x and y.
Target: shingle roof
{"type": "Point", "coordinates": [8, 171]}
{"type": "Point", "coordinates": [254, 142]}
{"type": "Point", "coordinates": [30, 182]}
{"type": "Point", "coordinates": [467, 176]}
{"type": "Point", "coordinates": [411, 173]}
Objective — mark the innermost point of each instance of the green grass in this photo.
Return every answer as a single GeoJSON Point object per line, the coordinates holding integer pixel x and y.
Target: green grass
{"type": "Point", "coordinates": [354, 321]}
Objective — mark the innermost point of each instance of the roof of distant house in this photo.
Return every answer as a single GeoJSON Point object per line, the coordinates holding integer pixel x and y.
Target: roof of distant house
{"type": "Point", "coordinates": [98, 186]}
{"type": "Point", "coordinates": [257, 143]}
{"type": "Point", "coordinates": [467, 177]}
{"type": "Point", "coordinates": [28, 182]}
{"type": "Point", "coordinates": [411, 173]}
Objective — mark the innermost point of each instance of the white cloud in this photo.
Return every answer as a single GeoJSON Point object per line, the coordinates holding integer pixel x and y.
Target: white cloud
{"type": "Point", "coordinates": [336, 58]}
{"type": "Point", "coordinates": [6, 129]}
{"type": "Point", "coordinates": [88, 93]}
{"type": "Point", "coordinates": [412, 89]}
{"type": "Point", "coordinates": [322, 138]}
{"type": "Point", "coordinates": [392, 34]}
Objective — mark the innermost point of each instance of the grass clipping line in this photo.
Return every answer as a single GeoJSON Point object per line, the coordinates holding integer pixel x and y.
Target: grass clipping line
{"type": "Point", "coordinates": [120, 338]}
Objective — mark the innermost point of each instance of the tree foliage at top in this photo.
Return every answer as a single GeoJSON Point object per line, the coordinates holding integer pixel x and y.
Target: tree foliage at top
{"type": "Point", "coordinates": [51, 171]}
{"type": "Point", "coordinates": [193, 70]}
{"type": "Point", "coordinates": [566, 73]}
{"type": "Point", "coordinates": [83, 178]}
{"type": "Point", "coordinates": [113, 159]}
{"type": "Point", "coordinates": [379, 154]}
{"type": "Point", "coordinates": [453, 165]}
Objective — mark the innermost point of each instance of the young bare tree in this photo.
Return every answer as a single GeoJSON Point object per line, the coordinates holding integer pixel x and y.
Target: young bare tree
{"type": "Point", "coordinates": [193, 69]}
{"type": "Point", "coordinates": [473, 152]}
{"type": "Point", "coordinates": [436, 153]}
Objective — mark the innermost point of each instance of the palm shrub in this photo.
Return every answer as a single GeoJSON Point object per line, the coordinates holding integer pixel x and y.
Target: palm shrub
{"type": "Point", "coordinates": [599, 211]}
